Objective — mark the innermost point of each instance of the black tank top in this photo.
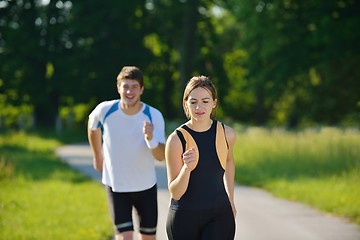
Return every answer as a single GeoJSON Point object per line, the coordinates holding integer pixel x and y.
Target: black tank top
{"type": "Point", "coordinates": [206, 186]}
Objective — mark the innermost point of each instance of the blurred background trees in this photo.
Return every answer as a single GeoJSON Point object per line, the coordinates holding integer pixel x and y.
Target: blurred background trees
{"type": "Point", "coordinates": [281, 62]}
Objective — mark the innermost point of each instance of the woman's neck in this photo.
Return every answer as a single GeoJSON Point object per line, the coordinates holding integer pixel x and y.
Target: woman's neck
{"type": "Point", "coordinates": [199, 126]}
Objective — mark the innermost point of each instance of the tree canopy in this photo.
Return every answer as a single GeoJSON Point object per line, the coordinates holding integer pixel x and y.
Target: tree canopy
{"type": "Point", "coordinates": [279, 62]}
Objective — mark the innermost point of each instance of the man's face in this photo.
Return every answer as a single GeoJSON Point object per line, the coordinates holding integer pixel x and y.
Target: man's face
{"type": "Point", "coordinates": [130, 92]}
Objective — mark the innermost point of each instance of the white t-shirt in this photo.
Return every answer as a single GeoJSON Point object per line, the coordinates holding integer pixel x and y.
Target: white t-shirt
{"type": "Point", "coordinates": [128, 162]}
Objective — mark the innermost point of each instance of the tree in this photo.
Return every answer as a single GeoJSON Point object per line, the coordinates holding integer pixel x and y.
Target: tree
{"type": "Point", "coordinates": [293, 48]}
{"type": "Point", "coordinates": [32, 36]}
{"type": "Point", "coordinates": [187, 44]}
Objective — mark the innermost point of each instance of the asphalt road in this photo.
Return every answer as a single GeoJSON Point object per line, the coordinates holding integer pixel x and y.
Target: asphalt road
{"type": "Point", "coordinates": [260, 216]}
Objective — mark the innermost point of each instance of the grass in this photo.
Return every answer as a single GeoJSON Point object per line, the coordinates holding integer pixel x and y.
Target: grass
{"type": "Point", "coordinates": [319, 167]}
{"type": "Point", "coordinates": [41, 198]}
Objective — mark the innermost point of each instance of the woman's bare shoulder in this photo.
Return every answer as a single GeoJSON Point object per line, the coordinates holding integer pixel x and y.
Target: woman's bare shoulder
{"type": "Point", "coordinates": [230, 133]}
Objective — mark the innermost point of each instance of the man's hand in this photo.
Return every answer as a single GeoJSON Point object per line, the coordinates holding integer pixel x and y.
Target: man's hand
{"type": "Point", "coordinates": [98, 164]}
{"type": "Point", "coordinates": [148, 130]}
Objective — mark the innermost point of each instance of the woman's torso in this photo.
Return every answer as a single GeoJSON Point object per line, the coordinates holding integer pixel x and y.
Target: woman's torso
{"type": "Point", "coordinates": [206, 186]}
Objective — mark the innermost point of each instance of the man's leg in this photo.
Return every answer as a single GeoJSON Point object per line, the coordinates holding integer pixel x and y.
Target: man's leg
{"type": "Point", "coordinates": [128, 235]}
{"type": "Point", "coordinates": [145, 203]}
{"type": "Point", "coordinates": [120, 207]}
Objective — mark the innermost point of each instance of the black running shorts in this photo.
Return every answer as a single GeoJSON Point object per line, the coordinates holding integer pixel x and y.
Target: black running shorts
{"type": "Point", "coordinates": [145, 203]}
{"type": "Point", "coordinates": [209, 224]}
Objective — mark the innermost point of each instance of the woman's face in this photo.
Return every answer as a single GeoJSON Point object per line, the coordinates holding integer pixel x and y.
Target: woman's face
{"type": "Point", "coordinates": [200, 104]}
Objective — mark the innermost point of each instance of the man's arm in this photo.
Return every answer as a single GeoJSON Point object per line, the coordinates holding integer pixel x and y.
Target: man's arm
{"type": "Point", "coordinates": [95, 141]}
{"type": "Point", "coordinates": [157, 149]}
{"type": "Point", "coordinates": [159, 152]}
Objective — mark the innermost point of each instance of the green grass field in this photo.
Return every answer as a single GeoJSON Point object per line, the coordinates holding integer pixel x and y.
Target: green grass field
{"type": "Point", "coordinates": [319, 167]}
{"type": "Point", "coordinates": [42, 198]}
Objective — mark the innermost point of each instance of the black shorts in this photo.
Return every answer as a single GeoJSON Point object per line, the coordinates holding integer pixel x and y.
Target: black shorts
{"type": "Point", "coordinates": [210, 224]}
{"type": "Point", "coordinates": [145, 203]}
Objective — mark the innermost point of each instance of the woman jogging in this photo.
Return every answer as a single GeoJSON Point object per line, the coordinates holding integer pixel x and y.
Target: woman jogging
{"type": "Point", "coordinates": [200, 169]}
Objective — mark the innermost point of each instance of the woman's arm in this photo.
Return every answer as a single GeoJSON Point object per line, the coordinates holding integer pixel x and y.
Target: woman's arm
{"type": "Point", "coordinates": [178, 171]}
{"type": "Point", "coordinates": [230, 166]}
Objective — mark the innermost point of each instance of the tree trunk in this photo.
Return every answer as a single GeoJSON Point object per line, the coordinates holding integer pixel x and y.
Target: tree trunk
{"type": "Point", "coordinates": [187, 53]}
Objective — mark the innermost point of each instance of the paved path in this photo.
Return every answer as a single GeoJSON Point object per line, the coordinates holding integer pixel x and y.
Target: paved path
{"type": "Point", "coordinates": [260, 215]}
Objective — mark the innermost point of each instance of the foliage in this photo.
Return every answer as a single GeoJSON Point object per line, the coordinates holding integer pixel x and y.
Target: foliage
{"type": "Point", "coordinates": [281, 62]}
{"type": "Point", "coordinates": [34, 39]}
{"type": "Point", "coordinates": [11, 116]}
{"type": "Point", "coordinates": [301, 58]}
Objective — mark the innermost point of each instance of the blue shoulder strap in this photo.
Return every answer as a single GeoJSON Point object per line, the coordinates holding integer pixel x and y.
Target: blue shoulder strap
{"type": "Point", "coordinates": [147, 112]}
{"type": "Point", "coordinates": [113, 108]}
